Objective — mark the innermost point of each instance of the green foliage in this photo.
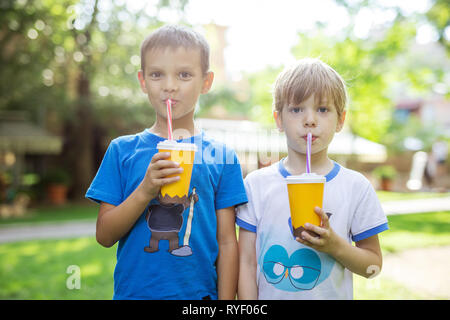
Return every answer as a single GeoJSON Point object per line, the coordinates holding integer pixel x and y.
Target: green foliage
{"type": "Point", "coordinates": [385, 172]}
{"type": "Point", "coordinates": [30, 33]}
{"type": "Point", "coordinates": [411, 128]}
{"type": "Point", "coordinates": [47, 45]}
{"type": "Point", "coordinates": [439, 16]}
{"type": "Point", "coordinates": [226, 97]}
{"type": "Point", "coordinates": [261, 84]}
{"type": "Point", "coordinates": [57, 176]}
{"type": "Point", "coordinates": [374, 68]}
{"type": "Point", "coordinates": [364, 64]}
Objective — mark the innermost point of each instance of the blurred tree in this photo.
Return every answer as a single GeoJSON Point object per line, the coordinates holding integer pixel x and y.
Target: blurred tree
{"type": "Point", "coordinates": [364, 64]}
{"type": "Point", "coordinates": [261, 85]}
{"type": "Point", "coordinates": [76, 62]}
{"type": "Point", "coordinates": [401, 133]}
{"type": "Point", "coordinates": [227, 99]}
{"type": "Point", "coordinates": [439, 16]}
{"type": "Point", "coordinates": [373, 65]}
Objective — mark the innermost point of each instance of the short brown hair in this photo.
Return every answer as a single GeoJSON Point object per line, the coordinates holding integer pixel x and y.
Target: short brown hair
{"type": "Point", "coordinates": [306, 77]}
{"type": "Point", "coordinates": [175, 36]}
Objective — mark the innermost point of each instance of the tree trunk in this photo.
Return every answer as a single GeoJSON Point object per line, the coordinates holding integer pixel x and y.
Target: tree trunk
{"type": "Point", "coordinates": [83, 139]}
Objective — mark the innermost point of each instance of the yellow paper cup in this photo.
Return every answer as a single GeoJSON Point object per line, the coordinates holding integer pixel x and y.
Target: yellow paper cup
{"type": "Point", "coordinates": [305, 193]}
{"type": "Point", "coordinates": [184, 154]}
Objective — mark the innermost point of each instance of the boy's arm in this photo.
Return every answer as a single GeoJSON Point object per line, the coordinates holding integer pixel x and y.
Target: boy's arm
{"type": "Point", "coordinates": [113, 222]}
{"type": "Point", "coordinates": [364, 259]}
{"type": "Point", "coordinates": [247, 288]}
{"type": "Point", "coordinates": [227, 261]}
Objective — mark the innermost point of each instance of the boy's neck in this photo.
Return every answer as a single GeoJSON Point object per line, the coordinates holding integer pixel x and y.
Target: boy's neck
{"type": "Point", "coordinates": [181, 129]}
{"type": "Point", "coordinates": [295, 163]}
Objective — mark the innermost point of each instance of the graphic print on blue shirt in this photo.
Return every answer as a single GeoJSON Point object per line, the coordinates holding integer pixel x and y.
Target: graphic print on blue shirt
{"type": "Point", "coordinates": [165, 222]}
{"type": "Point", "coordinates": [304, 269]}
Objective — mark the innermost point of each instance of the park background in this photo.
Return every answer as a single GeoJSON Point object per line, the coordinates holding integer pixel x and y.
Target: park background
{"type": "Point", "coordinates": [68, 85]}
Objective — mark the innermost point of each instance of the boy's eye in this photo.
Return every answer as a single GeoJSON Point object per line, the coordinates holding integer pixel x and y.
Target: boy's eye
{"type": "Point", "coordinates": [155, 75]}
{"type": "Point", "coordinates": [185, 75]}
{"type": "Point", "coordinates": [296, 109]}
{"type": "Point", "coordinates": [323, 109]}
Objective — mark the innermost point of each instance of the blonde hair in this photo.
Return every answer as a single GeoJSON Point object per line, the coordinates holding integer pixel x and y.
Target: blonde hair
{"type": "Point", "coordinates": [306, 77]}
{"type": "Point", "coordinates": [174, 36]}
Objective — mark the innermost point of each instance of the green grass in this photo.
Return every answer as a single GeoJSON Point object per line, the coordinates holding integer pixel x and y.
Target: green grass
{"type": "Point", "coordinates": [397, 196]}
{"type": "Point", "coordinates": [37, 269]}
{"type": "Point", "coordinates": [405, 232]}
{"type": "Point", "coordinates": [85, 211]}
{"type": "Point", "coordinates": [381, 288]}
{"type": "Point", "coordinates": [416, 231]}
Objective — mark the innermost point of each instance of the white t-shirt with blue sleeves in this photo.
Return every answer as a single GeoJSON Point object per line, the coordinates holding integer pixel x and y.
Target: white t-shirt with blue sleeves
{"type": "Point", "coordinates": [286, 268]}
{"type": "Point", "coordinates": [189, 271]}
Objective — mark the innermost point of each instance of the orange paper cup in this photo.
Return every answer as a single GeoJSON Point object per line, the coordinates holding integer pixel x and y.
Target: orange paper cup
{"type": "Point", "coordinates": [184, 154]}
{"type": "Point", "coordinates": [305, 193]}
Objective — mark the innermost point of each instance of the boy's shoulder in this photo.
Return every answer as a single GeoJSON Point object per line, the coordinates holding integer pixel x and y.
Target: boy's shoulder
{"type": "Point", "coordinates": [143, 138]}
{"type": "Point", "coordinates": [264, 174]}
{"type": "Point", "coordinates": [352, 177]}
{"type": "Point", "coordinates": [127, 139]}
{"type": "Point", "coordinates": [127, 145]}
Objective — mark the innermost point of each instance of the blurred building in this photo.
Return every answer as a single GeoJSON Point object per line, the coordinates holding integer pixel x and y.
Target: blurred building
{"type": "Point", "coordinates": [432, 111]}
{"type": "Point", "coordinates": [23, 148]}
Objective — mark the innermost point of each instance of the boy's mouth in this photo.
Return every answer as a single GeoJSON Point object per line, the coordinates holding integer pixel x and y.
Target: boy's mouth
{"type": "Point", "coordinates": [306, 137]}
{"type": "Point", "coordinates": [173, 101]}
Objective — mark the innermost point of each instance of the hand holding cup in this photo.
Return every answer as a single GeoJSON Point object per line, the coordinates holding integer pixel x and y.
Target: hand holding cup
{"type": "Point", "coordinates": [160, 171]}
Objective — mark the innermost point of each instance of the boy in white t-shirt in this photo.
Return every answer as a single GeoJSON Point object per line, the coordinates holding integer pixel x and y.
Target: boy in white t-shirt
{"type": "Point", "coordinates": [308, 97]}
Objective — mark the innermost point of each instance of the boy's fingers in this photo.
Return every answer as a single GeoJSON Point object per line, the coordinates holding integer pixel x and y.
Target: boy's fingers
{"type": "Point", "coordinates": [316, 241]}
{"type": "Point", "coordinates": [168, 180]}
{"type": "Point", "coordinates": [320, 231]}
{"type": "Point", "coordinates": [167, 172]}
{"type": "Point", "coordinates": [165, 164]}
{"type": "Point", "coordinates": [159, 156]}
{"type": "Point", "coordinates": [323, 216]}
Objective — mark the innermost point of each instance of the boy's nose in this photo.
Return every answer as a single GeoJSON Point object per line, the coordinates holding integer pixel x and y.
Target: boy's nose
{"type": "Point", "coordinates": [170, 84]}
{"type": "Point", "coordinates": [310, 119]}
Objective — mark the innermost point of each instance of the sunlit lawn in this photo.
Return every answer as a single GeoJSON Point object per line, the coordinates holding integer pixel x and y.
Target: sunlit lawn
{"type": "Point", "coordinates": [406, 232]}
{"type": "Point", "coordinates": [38, 269]}
{"type": "Point", "coordinates": [396, 196]}
{"type": "Point", "coordinates": [86, 211]}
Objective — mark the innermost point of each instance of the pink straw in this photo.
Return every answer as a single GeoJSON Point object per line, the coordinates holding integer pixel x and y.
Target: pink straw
{"type": "Point", "coordinates": [169, 119]}
{"type": "Point", "coordinates": [308, 152]}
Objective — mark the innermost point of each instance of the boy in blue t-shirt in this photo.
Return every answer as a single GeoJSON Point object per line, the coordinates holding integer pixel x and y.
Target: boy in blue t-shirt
{"type": "Point", "coordinates": [201, 261]}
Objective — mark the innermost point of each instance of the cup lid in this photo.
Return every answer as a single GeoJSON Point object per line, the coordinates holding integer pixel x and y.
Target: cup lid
{"type": "Point", "coordinates": [306, 178]}
{"type": "Point", "coordinates": [173, 145]}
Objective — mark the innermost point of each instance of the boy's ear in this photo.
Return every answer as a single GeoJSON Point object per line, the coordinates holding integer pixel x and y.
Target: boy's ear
{"type": "Point", "coordinates": [207, 82]}
{"type": "Point", "coordinates": [341, 121]}
{"type": "Point", "coordinates": [277, 118]}
{"type": "Point", "coordinates": [142, 81]}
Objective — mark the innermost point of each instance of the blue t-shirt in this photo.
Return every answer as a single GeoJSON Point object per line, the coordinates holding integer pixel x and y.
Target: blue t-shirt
{"type": "Point", "coordinates": [189, 271]}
